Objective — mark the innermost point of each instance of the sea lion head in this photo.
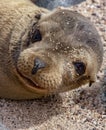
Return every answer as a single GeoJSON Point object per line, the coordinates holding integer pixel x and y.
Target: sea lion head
{"type": "Point", "coordinates": [59, 54]}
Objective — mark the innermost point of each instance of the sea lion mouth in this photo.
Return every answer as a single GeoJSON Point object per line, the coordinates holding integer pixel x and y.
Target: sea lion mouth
{"type": "Point", "coordinates": [30, 85]}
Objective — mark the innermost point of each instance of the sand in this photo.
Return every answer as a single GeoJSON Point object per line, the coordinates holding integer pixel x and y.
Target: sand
{"type": "Point", "coordinates": [80, 109]}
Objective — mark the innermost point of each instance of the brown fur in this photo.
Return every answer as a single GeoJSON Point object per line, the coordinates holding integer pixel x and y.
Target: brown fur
{"type": "Point", "coordinates": [67, 37]}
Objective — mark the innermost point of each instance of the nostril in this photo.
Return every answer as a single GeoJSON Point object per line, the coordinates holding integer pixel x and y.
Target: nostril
{"type": "Point", "coordinates": [38, 64]}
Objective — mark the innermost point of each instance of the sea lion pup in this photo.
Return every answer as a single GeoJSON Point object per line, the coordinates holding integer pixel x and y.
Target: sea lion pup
{"type": "Point", "coordinates": [43, 52]}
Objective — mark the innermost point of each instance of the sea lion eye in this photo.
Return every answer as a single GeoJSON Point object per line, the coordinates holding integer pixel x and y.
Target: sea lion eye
{"type": "Point", "coordinates": [36, 36]}
{"type": "Point", "coordinates": [79, 67]}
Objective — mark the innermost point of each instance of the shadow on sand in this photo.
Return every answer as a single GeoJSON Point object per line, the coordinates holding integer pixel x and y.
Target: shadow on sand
{"type": "Point", "coordinates": [24, 114]}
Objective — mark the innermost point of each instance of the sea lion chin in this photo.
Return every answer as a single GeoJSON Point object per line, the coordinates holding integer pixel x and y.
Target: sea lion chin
{"type": "Point", "coordinates": [45, 52]}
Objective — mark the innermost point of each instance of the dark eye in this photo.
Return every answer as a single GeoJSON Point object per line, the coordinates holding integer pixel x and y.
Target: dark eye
{"type": "Point", "coordinates": [36, 36]}
{"type": "Point", "coordinates": [79, 67]}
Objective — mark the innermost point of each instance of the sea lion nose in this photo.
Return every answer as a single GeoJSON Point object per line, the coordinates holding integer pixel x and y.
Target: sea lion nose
{"type": "Point", "coordinates": [38, 64]}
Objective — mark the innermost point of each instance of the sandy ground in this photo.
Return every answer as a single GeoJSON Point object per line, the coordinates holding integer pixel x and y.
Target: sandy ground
{"type": "Point", "coordinates": [81, 109]}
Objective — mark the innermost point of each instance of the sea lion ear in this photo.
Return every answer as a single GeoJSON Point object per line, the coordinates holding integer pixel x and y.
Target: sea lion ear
{"type": "Point", "coordinates": [79, 67]}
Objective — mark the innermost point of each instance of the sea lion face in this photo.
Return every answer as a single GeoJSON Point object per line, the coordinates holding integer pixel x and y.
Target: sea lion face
{"type": "Point", "coordinates": [55, 59]}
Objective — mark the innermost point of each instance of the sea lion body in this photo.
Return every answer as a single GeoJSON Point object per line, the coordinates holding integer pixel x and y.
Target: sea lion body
{"type": "Point", "coordinates": [43, 52]}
